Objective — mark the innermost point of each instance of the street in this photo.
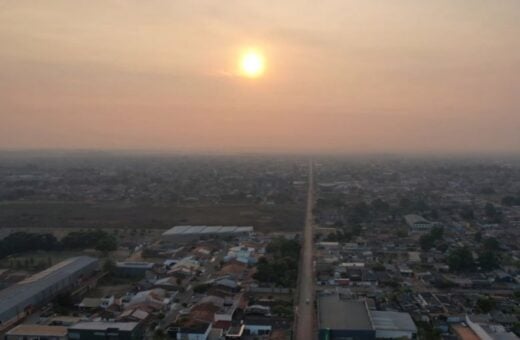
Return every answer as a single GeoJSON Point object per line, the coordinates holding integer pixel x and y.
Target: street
{"type": "Point", "coordinates": [305, 308]}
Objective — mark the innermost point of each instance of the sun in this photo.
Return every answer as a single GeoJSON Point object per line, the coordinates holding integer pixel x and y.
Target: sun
{"type": "Point", "coordinates": [252, 64]}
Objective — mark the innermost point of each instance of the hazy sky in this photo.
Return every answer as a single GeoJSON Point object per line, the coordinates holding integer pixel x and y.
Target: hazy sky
{"type": "Point", "coordinates": [341, 75]}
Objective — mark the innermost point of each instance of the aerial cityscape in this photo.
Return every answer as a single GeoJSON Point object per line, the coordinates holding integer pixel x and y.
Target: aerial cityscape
{"type": "Point", "coordinates": [259, 247]}
{"type": "Point", "coordinates": [259, 170]}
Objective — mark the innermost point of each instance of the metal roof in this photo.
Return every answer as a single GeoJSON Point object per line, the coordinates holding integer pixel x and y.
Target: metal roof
{"type": "Point", "coordinates": [413, 219]}
{"type": "Point", "coordinates": [338, 314]}
{"type": "Point", "coordinates": [100, 325]}
{"type": "Point", "coordinates": [138, 265]}
{"type": "Point", "coordinates": [203, 229]}
{"type": "Point", "coordinates": [20, 292]}
{"type": "Point", "coordinates": [226, 229]}
{"type": "Point", "coordinates": [38, 330]}
{"type": "Point", "coordinates": [395, 321]}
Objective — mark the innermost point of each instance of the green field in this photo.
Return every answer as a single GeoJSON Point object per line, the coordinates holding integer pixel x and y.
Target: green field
{"type": "Point", "coordinates": [35, 214]}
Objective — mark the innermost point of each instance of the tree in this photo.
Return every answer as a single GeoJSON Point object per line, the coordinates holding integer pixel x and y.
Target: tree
{"type": "Point", "coordinates": [467, 213]}
{"type": "Point", "coordinates": [282, 267]}
{"type": "Point", "coordinates": [516, 328]}
{"type": "Point", "coordinates": [491, 244]}
{"type": "Point", "coordinates": [20, 242]}
{"type": "Point", "coordinates": [380, 206]}
{"type": "Point", "coordinates": [510, 201]}
{"type": "Point", "coordinates": [85, 239]}
{"type": "Point", "coordinates": [461, 259]}
{"type": "Point", "coordinates": [427, 332]}
{"type": "Point", "coordinates": [109, 266]}
{"type": "Point", "coordinates": [429, 240]}
{"type": "Point", "coordinates": [201, 289]}
{"type": "Point", "coordinates": [437, 233]}
{"type": "Point", "coordinates": [359, 213]}
{"type": "Point", "coordinates": [487, 191]}
{"type": "Point", "coordinates": [488, 260]}
{"type": "Point", "coordinates": [106, 244]}
{"type": "Point", "coordinates": [159, 334]}
{"type": "Point", "coordinates": [426, 242]}
{"type": "Point", "coordinates": [492, 213]}
{"type": "Point", "coordinates": [485, 305]}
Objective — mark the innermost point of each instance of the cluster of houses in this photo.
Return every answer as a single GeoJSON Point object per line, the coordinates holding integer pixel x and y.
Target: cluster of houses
{"type": "Point", "coordinates": [391, 272]}
{"type": "Point", "coordinates": [198, 289]}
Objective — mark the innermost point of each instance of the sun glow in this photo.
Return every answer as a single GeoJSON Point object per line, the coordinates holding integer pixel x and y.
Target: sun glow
{"type": "Point", "coordinates": [252, 64]}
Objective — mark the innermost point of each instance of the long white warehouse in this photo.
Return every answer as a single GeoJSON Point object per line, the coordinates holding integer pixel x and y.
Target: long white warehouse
{"type": "Point", "coordinates": [181, 234]}
{"type": "Point", "coordinates": [42, 287]}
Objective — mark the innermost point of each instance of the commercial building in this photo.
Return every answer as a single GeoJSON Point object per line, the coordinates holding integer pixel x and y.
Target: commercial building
{"type": "Point", "coordinates": [106, 330]}
{"type": "Point", "coordinates": [37, 332]}
{"type": "Point", "coordinates": [393, 325]}
{"type": "Point", "coordinates": [342, 319]}
{"type": "Point", "coordinates": [44, 286]}
{"type": "Point", "coordinates": [418, 223]}
{"type": "Point", "coordinates": [133, 269]}
{"type": "Point", "coordinates": [183, 234]}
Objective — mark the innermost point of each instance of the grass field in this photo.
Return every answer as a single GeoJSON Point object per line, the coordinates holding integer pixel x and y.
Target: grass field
{"type": "Point", "coordinates": [35, 214]}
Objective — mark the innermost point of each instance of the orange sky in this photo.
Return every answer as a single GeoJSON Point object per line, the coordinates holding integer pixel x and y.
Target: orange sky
{"type": "Point", "coordinates": [341, 76]}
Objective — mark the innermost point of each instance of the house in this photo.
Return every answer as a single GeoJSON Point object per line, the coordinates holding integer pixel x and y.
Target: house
{"type": "Point", "coordinates": [227, 285]}
{"type": "Point", "coordinates": [235, 332]}
{"type": "Point", "coordinates": [257, 326]}
{"type": "Point", "coordinates": [258, 310]}
{"type": "Point", "coordinates": [241, 254]}
{"type": "Point", "coordinates": [154, 299]}
{"type": "Point", "coordinates": [194, 331]}
{"type": "Point", "coordinates": [187, 264]}
{"type": "Point", "coordinates": [133, 315]}
{"type": "Point", "coordinates": [90, 304]}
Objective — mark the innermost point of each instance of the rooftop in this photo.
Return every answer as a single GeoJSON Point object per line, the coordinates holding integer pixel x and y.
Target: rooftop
{"type": "Point", "coordinates": [190, 230]}
{"type": "Point", "coordinates": [99, 325]}
{"type": "Point", "coordinates": [413, 219]}
{"type": "Point", "coordinates": [38, 330]}
{"type": "Point", "coordinates": [146, 265]}
{"type": "Point", "coordinates": [383, 320]}
{"type": "Point", "coordinates": [21, 292]}
{"type": "Point", "coordinates": [335, 313]}
{"type": "Point", "coordinates": [463, 332]}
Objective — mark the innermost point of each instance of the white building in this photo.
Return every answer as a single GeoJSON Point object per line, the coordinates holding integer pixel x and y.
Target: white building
{"type": "Point", "coordinates": [393, 325]}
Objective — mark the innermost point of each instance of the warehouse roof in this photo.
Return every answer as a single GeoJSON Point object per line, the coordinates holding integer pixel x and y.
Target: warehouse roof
{"type": "Point", "coordinates": [135, 265]}
{"type": "Point", "coordinates": [413, 219]}
{"type": "Point", "coordinates": [16, 295]}
{"type": "Point", "coordinates": [336, 313]}
{"type": "Point", "coordinates": [38, 330]}
{"type": "Point", "coordinates": [395, 321]}
{"type": "Point", "coordinates": [202, 229]}
{"type": "Point", "coordinates": [101, 325]}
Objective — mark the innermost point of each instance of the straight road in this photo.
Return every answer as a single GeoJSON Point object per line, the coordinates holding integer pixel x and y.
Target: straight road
{"type": "Point", "coordinates": [305, 309]}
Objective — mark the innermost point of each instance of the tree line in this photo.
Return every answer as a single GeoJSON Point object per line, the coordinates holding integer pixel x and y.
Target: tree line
{"type": "Point", "coordinates": [20, 242]}
{"type": "Point", "coordinates": [488, 256]}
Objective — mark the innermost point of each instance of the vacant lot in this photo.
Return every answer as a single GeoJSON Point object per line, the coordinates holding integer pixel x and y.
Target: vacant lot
{"type": "Point", "coordinates": [34, 214]}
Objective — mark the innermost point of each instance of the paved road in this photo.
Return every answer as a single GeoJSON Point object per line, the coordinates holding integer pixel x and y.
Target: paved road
{"type": "Point", "coordinates": [305, 308]}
